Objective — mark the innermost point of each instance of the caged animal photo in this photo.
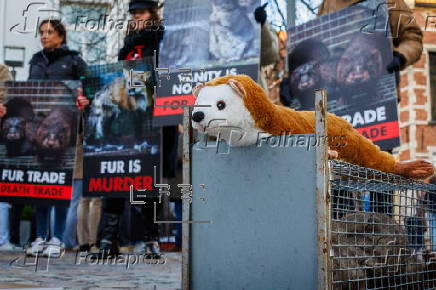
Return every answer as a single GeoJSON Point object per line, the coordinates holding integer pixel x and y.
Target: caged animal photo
{"type": "Point", "coordinates": [117, 116]}
{"type": "Point", "coordinates": [351, 72]}
{"type": "Point", "coordinates": [55, 133]}
{"type": "Point", "coordinates": [360, 68]}
{"type": "Point", "coordinates": [311, 66]}
{"type": "Point", "coordinates": [18, 128]}
{"type": "Point", "coordinates": [41, 135]}
{"type": "Point", "coordinates": [233, 30]}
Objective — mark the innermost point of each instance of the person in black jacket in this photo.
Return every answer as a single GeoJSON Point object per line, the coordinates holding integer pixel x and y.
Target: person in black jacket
{"type": "Point", "coordinates": [144, 32]}
{"type": "Point", "coordinates": [144, 35]}
{"type": "Point", "coordinates": [56, 62]}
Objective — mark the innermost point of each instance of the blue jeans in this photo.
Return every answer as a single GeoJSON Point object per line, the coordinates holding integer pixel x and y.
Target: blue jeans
{"type": "Point", "coordinates": [4, 223]}
{"type": "Point", "coordinates": [70, 233]}
{"type": "Point", "coordinates": [43, 221]}
{"type": "Point", "coordinates": [432, 225]}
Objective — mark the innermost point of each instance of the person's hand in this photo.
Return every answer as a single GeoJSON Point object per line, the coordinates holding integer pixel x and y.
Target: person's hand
{"type": "Point", "coordinates": [260, 14]}
{"type": "Point", "coordinates": [81, 101]}
{"type": "Point", "coordinates": [3, 110]}
{"type": "Point", "coordinates": [397, 62]}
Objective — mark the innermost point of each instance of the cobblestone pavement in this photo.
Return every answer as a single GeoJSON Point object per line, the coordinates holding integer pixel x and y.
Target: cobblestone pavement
{"type": "Point", "coordinates": [78, 271]}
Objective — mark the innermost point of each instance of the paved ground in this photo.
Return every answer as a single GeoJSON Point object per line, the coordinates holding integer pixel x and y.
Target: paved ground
{"type": "Point", "coordinates": [74, 271]}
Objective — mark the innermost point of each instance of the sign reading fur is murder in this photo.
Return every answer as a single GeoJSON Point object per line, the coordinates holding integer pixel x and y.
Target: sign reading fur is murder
{"type": "Point", "coordinates": [120, 146]}
{"type": "Point", "coordinates": [38, 138]}
{"type": "Point", "coordinates": [346, 53]}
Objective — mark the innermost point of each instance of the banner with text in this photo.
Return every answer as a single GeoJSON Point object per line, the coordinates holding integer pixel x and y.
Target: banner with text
{"type": "Point", "coordinates": [346, 53]}
{"type": "Point", "coordinates": [38, 140]}
{"type": "Point", "coordinates": [121, 149]}
{"type": "Point", "coordinates": [174, 89]}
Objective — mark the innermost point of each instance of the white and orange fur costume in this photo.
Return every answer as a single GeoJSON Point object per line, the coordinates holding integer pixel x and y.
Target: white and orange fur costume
{"type": "Point", "coordinates": [236, 101]}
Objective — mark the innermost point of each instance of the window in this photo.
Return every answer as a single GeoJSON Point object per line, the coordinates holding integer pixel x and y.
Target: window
{"type": "Point", "coordinates": [432, 75]}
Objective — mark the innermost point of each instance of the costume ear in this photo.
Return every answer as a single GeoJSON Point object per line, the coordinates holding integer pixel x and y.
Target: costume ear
{"type": "Point", "coordinates": [196, 89]}
{"type": "Point", "coordinates": [237, 86]}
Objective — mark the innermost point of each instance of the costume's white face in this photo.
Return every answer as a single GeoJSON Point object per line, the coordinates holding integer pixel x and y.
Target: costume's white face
{"type": "Point", "coordinates": [226, 116]}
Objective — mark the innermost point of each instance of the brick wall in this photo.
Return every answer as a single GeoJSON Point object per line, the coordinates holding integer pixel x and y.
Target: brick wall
{"type": "Point", "coordinates": [418, 134]}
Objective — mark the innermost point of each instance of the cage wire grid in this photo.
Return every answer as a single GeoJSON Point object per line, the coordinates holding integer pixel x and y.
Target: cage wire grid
{"type": "Point", "coordinates": [382, 229]}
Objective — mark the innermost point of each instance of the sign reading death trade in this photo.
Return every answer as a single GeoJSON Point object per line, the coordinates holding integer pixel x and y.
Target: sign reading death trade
{"type": "Point", "coordinates": [346, 53]}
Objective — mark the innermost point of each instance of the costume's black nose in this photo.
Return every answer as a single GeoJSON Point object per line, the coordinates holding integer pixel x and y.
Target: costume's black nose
{"type": "Point", "coordinates": [198, 116]}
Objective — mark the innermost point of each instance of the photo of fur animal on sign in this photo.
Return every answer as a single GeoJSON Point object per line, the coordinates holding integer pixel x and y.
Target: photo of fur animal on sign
{"type": "Point", "coordinates": [347, 54]}
{"type": "Point", "coordinates": [233, 33]}
{"type": "Point", "coordinates": [121, 108]}
{"type": "Point", "coordinates": [40, 125]}
{"type": "Point", "coordinates": [38, 141]}
{"type": "Point", "coordinates": [121, 148]}
{"type": "Point", "coordinates": [205, 33]}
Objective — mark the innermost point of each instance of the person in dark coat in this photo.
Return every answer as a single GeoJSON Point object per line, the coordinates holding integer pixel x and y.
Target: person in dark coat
{"type": "Point", "coordinates": [144, 35]}
{"type": "Point", "coordinates": [56, 62]}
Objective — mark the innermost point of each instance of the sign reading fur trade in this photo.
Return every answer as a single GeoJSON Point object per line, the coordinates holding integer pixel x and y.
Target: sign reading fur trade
{"type": "Point", "coordinates": [38, 138]}
{"type": "Point", "coordinates": [346, 53]}
{"type": "Point", "coordinates": [236, 101]}
{"type": "Point", "coordinates": [120, 146]}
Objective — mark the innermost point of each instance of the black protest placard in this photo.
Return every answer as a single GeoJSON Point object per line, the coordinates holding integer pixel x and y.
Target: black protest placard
{"type": "Point", "coordinates": [209, 33]}
{"type": "Point", "coordinates": [346, 53]}
{"type": "Point", "coordinates": [121, 149]}
{"type": "Point", "coordinates": [117, 173]}
{"type": "Point", "coordinates": [174, 89]}
{"type": "Point", "coordinates": [38, 138]}
{"type": "Point", "coordinates": [203, 40]}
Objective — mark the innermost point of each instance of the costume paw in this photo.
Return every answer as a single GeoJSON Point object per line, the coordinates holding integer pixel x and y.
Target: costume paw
{"type": "Point", "coordinates": [419, 169]}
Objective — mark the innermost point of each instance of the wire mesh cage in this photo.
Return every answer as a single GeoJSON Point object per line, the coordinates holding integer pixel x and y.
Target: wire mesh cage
{"type": "Point", "coordinates": [382, 230]}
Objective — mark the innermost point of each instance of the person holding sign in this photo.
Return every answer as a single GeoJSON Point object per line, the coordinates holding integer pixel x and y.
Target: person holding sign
{"type": "Point", "coordinates": [407, 50]}
{"type": "Point", "coordinates": [57, 62]}
{"type": "Point", "coordinates": [406, 34]}
{"type": "Point", "coordinates": [144, 35]}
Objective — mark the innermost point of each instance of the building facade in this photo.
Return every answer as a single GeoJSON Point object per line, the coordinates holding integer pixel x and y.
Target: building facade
{"type": "Point", "coordinates": [417, 108]}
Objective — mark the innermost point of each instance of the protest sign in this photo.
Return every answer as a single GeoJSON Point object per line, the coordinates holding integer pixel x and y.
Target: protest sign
{"type": "Point", "coordinates": [38, 140]}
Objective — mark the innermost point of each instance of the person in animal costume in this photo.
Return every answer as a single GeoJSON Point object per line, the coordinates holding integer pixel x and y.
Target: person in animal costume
{"type": "Point", "coordinates": [236, 101]}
